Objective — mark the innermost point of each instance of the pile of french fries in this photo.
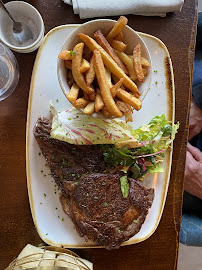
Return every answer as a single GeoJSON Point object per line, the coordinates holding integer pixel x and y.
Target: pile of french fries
{"type": "Point", "coordinates": [101, 76]}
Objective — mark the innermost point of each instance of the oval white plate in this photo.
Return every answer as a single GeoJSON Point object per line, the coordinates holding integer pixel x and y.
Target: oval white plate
{"type": "Point", "coordinates": [130, 37]}
{"type": "Point", "coordinates": [53, 226]}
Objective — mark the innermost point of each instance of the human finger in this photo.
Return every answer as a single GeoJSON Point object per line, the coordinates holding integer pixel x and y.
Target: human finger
{"type": "Point", "coordinates": [196, 153]}
{"type": "Point", "coordinates": [193, 131]}
{"type": "Point", "coordinates": [189, 159]}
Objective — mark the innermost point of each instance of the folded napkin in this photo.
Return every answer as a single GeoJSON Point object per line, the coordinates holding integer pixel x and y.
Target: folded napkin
{"type": "Point", "coordinates": [101, 8]}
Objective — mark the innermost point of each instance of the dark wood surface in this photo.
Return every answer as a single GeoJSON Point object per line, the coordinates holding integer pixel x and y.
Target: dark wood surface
{"type": "Point", "coordinates": [160, 251]}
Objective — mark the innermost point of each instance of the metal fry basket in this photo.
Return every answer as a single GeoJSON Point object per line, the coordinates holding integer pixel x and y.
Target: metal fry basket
{"type": "Point", "coordinates": [50, 258]}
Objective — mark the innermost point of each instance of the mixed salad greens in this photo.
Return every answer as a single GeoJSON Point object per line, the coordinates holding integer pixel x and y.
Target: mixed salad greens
{"type": "Point", "coordinates": [156, 137]}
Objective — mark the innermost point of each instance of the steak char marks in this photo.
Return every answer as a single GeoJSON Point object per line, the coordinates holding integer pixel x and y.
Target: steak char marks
{"type": "Point", "coordinates": [91, 193]}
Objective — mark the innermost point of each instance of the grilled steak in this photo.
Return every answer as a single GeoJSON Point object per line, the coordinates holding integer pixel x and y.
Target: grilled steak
{"type": "Point", "coordinates": [101, 214]}
{"type": "Point", "coordinates": [67, 162]}
{"type": "Point", "coordinates": [91, 193]}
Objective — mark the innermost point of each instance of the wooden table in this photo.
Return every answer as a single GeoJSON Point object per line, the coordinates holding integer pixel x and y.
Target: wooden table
{"type": "Point", "coordinates": [160, 251]}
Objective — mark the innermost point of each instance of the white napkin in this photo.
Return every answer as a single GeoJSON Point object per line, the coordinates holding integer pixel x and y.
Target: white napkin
{"type": "Point", "coordinates": [102, 8]}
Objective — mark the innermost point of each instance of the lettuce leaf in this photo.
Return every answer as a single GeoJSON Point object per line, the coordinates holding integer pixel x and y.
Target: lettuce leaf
{"type": "Point", "coordinates": [159, 132]}
{"type": "Point", "coordinates": [116, 157]}
{"type": "Point", "coordinates": [150, 131]}
{"type": "Point", "coordinates": [156, 169]}
{"type": "Point", "coordinates": [124, 186]}
{"type": "Point", "coordinates": [74, 127]}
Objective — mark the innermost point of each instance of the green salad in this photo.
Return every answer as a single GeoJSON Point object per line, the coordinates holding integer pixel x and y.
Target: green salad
{"type": "Point", "coordinates": [155, 139]}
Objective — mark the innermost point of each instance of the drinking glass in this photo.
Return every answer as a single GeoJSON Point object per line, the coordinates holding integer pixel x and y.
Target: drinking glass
{"type": "Point", "coordinates": [9, 72]}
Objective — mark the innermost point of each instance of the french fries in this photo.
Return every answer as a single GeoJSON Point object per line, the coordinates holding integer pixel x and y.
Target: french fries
{"type": "Point", "coordinates": [86, 96]}
{"type": "Point", "coordinates": [101, 63]}
{"type": "Point", "coordinates": [116, 80]}
{"type": "Point", "coordinates": [106, 113]}
{"type": "Point", "coordinates": [144, 61]}
{"type": "Point", "coordinates": [76, 64]}
{"type": "Point", "coordinates": [119, 36]}
{"type": "Point", "coordinates": [128, 61]}
{"type": "Point", "coordinates": [66, 55]}
{"type": "Point", "coordinates": [126, 109]}
{"type": "Point", "coordinates": [144, 71]}
{"type": "Point", "coordinates": [99, 104]}
{"type": "Point", "coordinates": [109, 62]}
{"type": "Point", "coordinates": [84, 66]}
{"type": "Point", "coordinates": [129, 98]}
{"type": "Point", "coordinates": [109, 77]}
{"type": "Point", "coordinates": [115, 87]}
{"type": "Point", "coordinates": [117, 45]}
{"type": "Point", "coordinates": [107, 47]}
{"type": "Point", "coordinates": [137, 63]}
{"type": "Point", "coordinates": [68, 64]}
{"type": "Point", "coordinates": [80, 103]}
{"type": "Point", "coordinates": [90, 108]}
{"type": "Point", "coordinates": [128, 116]}
{"type": "Point", "coordinates": [104, 86]}
{"type": "Point", "coordinates": [90, 74]}
{"type": "Point", "coordinates": [92, 96]}
{"type": "Point", "coordinates": [118, 27]}
{"type": "Point", "coordinates": [73, 93]}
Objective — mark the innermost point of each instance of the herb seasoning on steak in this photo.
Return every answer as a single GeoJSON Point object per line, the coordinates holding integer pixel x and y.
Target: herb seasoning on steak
{"type": "Point", "coordinates": [91, 192]}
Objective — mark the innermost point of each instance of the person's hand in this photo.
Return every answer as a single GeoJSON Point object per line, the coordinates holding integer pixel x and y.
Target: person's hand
{"type": "Point", "coordinates": [195, 120]}
{"type": "Point", "coordinates": [193, 171]}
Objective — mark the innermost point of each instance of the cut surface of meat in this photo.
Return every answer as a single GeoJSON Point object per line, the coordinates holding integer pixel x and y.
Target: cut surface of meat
{"type": "Point", "coordinates": [91, 191]}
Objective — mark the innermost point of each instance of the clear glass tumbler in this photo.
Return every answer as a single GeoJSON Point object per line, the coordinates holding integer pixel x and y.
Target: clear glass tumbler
{"type": "Point", "coordinates": [9, 72]}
